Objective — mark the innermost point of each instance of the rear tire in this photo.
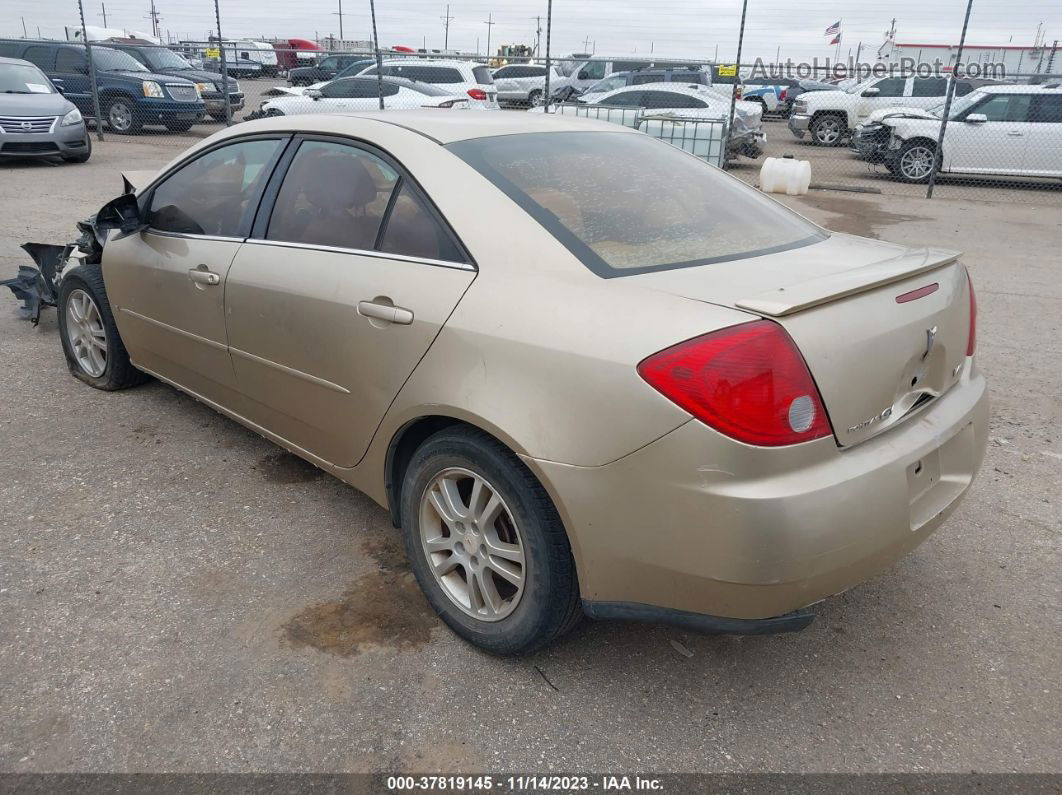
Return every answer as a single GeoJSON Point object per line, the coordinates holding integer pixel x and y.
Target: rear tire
{"type": "Point", "coordinates": [122, 117]}
{"type": "Point", "coordinates": [534, 99]}
{"type": "Point", "coordinates": [497, 568]}
{"type": "Point", "coordinates": [93, 348]}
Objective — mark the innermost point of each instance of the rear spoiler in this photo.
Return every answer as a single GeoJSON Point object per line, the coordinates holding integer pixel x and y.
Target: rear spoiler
{"type": "Point", "coordinates": [798, 297]}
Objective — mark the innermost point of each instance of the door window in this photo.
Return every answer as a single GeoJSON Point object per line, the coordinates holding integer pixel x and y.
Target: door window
{"type": "Point", "coordinates": [41, 57]}
{"type": "Point", "coordinates": [594, 70]}
{"type": "Point", "coordinates": [1005, 107]}
{"type": "Point", "coordinates": [890, 86]}
{"type": "Point", "coordinates": [215, 193]}
{"type": "Point", "coordinates": [929, 87]}
{"type": "Point", "coordinates": [71, 61]}
{"type": "Point", "coordinates": [414, 231]}
{"type": "Point", "coordinates": [354, 88]}
{"type": "Point", "coordinates": [1047, 109]}
{"type": "Point", "coordinates": [333, 195]}
{"type": "Point", "coordinates": [625, 98]}
{"type": "Point", "coordinates": [668, 99]}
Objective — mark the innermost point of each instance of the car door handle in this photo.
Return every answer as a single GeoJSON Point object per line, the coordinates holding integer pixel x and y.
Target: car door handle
{"type": "Point", "coordinates": [387, 312]}
{"type": "Point", "coordinates": [201, 275]}
{"type": "Point", "coordinates": [1015, 134]}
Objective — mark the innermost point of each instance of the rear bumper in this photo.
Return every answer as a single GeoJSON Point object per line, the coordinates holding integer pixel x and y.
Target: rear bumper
{"type": "Point", "coordinates": [70, 140]}
{"type": "Point", "coordinates": [514, 96]}
{"type": "Point", "coordinates": [695, 522]}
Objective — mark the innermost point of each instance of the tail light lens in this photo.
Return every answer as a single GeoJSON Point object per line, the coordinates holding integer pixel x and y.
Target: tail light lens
{"type": "Point", "coordinates": [749, 382]}
{"type": "Point", "coordinates": [971, 343]}
{"type": "Point", "coordinates": [477, 93]}
{"type": "Point", "coordinates": [783, 95]}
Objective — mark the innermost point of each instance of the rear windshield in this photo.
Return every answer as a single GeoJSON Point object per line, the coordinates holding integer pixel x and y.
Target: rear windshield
{"type": "Point", "coordinates": [625, 203]}
{"type": "Point", "coordinates": [483, 75]}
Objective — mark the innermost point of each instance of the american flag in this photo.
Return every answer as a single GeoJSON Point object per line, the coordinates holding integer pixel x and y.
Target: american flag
{"type": "Point", "coordinates": [833, 29]}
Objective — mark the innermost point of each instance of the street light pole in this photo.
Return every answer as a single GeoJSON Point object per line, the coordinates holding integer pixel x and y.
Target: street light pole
{"type": "Point", "coordinates": [947, 103]}
{"type": "Point", "coordinates": [490, 23]}
{"type": "Point", "coordinates": [379, 56]}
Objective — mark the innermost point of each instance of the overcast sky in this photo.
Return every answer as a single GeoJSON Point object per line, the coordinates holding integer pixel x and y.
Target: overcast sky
{"type": "Point", "coordinates": [693, 28]}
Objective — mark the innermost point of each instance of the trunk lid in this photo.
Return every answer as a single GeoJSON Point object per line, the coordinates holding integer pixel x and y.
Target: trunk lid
{"type": "Point", "coordinates": [883, 328]}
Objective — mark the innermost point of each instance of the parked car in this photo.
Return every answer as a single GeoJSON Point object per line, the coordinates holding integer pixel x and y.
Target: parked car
{"type": "Point", "coordinates": [694, 101]}
{"type": "Point", "coordinates": [328, 68]}
{"type": "Point", "coordinates": [677, 439]}
{"type": "Point", "coordinates": [521, 84]}
{"type": "Point", "coordinates": [770, 96]}
{"type": "Point", "coordinates": [689, 76]}
{"type": "Point", "coordinates": [166, 62]}
{"type": "Point", "coordinates": [130, 95]}
{"type": "Point", "coordinates": [35, 119]}
{"type": "Point", "coordinates": [579, 75]}
{"type": "Point", "coordinates": [457, 77]}
{"type": "Point", "coordinates": [1005, 130]}
{"type": "Point", "coordinates": [363, 93]}
{"type": "Point", "coordinates": [831, 116]}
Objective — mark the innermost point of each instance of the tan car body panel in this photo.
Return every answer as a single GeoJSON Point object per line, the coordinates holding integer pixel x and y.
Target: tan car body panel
{"type": "Point", "coordinates": [541, 353]}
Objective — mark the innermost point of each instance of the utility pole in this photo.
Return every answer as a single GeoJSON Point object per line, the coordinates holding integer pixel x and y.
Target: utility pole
{"type": "Point", "coordinates": [955, 70]}
{"type": "Point", "coordinates": [103, 7]}
{"type": "Point", "coordinates": [25, 35]}
{"type": "Point", "coordinates": [340, 15]}
{"type": "Point", "coordinates": [153, 15]}
{"type": "Point", "coordinates": [737, 71]}
{"type": "Point", "coordinates": [586, 44]}
{"type": "Point", "coordinates": [538, 34]}
{"type": "Point", "coordinates": [490, 23]}
{"type": "Point", "coordinates": [446, 27]}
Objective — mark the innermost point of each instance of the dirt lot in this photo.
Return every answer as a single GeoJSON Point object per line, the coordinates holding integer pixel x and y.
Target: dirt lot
{"type": "Point", "coordinates": [178, 594]}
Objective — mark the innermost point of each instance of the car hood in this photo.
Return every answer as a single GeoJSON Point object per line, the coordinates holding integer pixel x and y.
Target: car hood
{"type": "Point", "coordinates": [34, 105]}
{"type": "Point", "coordinates": [904, 113]}
{"type": "Point", "coordinates": [158, 78]}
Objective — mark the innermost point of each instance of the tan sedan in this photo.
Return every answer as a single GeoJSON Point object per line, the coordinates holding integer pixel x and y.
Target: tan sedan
{"type": "Point", "coordinates": [585, 371]}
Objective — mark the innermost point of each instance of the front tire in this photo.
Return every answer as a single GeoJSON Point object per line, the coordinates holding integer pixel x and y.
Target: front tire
{"type": "Point", "coordinates": [486, 544]}
{"type": "Point", "coordinates": [915, 162]}
{"type": "Point", "coordinates": [827, 130]}
{"type": "Point", "coordinates": [534, 99]}
{"type": "Point", "coordinates": [93, 348]}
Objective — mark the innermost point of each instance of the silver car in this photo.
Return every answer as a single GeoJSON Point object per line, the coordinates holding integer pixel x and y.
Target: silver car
{"type": "Point", "coordinates": [35, 119]}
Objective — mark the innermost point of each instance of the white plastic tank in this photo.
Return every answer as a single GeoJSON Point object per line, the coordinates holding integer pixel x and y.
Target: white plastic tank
{"type": "Point", "coordinates": [703, 137]}
{"type": "Point", "coordinates": [785, 175]}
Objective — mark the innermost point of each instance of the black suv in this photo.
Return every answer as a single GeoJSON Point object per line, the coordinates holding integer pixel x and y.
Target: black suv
{"type": "Point", "coordinates": [325, 69]}
{"type": "Point", "coordinates": [130, 95]}
{"type": "Point", "coordinates": [166, 62]}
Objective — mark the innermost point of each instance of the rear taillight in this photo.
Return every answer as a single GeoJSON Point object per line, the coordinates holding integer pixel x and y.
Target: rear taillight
{"type": "Point", "coordinates": [477, 93]}
{"type": "Point", "coordinates": [749, 382]}
{"type": "Point", "coordinates": [783, 95]}
{"type": "Point", "coordinates": [971, 342]}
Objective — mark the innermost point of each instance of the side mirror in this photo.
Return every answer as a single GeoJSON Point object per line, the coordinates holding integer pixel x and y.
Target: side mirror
{"type": "Point", "coordinates": [122, 214]}
{"type": "Point", "coordinates": [872, 92]}
{"type": "Point", "coordinates": [976, 118]}
{"type": "Point", "coordinates": [312, 93]}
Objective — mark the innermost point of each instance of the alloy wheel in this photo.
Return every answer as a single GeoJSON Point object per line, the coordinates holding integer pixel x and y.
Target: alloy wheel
{"type": "Point", "coordinates": [916, 162]}
{"type": "Point", "coordinates": [535, 99]}
{"type": "Point", "coordinates": [472, 544]}
{"type": "Point", "coordinates": [120, 117]}
{"type": "Point", "coordinates": [828, 131]}
{"type": "Point", "coordinates": [85, 333]}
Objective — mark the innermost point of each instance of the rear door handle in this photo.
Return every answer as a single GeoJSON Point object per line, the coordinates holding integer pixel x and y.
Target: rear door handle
{"type": "Point", "coordinates": [1015, 133]}
{"type": "Point", "coordinates": [386, 312]}
{"type": "Point", "coordinates": [201, 275]}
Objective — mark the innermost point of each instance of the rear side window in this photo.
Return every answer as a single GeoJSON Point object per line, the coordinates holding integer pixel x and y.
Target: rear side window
{"type": "Point", "coordinates": [507, 71]}
{"type": "Point", "coordinates": [664, 209]}
{"type": "Point", "coordinates": [70, 60]}
{"type": "Point", "coordinates": [413, 231]}
{"type": "Point", "coordinates": [1047, 109]}
{"type": "Point", "coordinates": [426, 74]}
{"type": "Point", "coordinates": [929, 87]}
{"type": "Point", "coordinates": [626, 99]}
{"type": "Point", "coordinates": [41, 57]}
{"type": "Point", "coordinates": [213, 194]}
{"type": "Point", "coordinates": [333, 195]}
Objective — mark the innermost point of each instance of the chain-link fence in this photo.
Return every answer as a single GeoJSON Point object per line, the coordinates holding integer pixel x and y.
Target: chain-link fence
{"type": "Point", "coordinates": [920, 120]}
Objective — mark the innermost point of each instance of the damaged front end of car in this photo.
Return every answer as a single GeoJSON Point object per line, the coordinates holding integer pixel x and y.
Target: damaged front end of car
{"type": "Point", "coordinates": [37, 285]}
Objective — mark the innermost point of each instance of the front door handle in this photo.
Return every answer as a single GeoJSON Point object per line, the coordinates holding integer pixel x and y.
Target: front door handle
{"type": "Point", "coordinates": [1015, 134]}
{"type": "Point", "coordinates": [386, 312]}
{"type": "Point", "coordinates": [201, 275]}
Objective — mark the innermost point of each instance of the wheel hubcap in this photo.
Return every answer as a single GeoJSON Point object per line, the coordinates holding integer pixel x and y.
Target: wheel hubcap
{"type": "Point", "coordinates": [916, 162]}
{"type": "Point", "coordinates": [85, 333]}
{"type": "Point", "coordinates": [472, 544]}
{"type": "Point", "coordinates": [120, 117]}
{"type": "Point", "coordinates": [536, 99]}
{"type": "Point", "coordinates": [828, 132]}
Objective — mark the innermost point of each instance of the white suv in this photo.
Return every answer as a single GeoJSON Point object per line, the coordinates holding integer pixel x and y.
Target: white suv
{"type": "Point", "coordinates": [521, 84]}
{"type": "Point", "coordinates": [457, 77]}
{"type": "Point", "coordinates": [998, 130]}
{"type": "Point", "coordinates": [831, 116]}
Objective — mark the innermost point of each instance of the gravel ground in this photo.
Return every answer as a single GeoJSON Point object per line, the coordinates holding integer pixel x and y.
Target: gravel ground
{"type": "Point", "coordinates": [177, 594]}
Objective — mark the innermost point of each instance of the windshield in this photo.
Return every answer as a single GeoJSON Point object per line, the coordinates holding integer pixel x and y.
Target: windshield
{"type": "Point", "coordinates": [663, 209]}
{"type": "Point", "coordinates": [161, 58]}
{"type": "Point", "coordinates": [18, 79]}
{"type": "Point", "coordinates": [107, 60]}
{"type": "Point", "coordinates": [960, 104]}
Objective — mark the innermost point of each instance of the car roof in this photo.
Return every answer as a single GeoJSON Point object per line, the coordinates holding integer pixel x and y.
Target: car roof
{"type": "Point", "coordinates": [442, 126]}
{"type": "Point", "coordinates": [413, 61]}
{"type": "Point", "coordinates": [1020, 89]}
{"type": "Point", "coordinates": [16, 61]}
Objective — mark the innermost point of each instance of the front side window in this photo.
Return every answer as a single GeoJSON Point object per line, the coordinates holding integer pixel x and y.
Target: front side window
{"type": "Point", "coordinates": [625, 99]}
{"type": "Point", "coordinates": [890, 86]}
{"type": "Point", "coordinates": [333, 195]}
{"type": "Point", "coordinates": [1005, 107]}
{"type": "Point", "coordinates": [664, 209]}
{"type": "Point", "coordinates": [594, 70]}
{"type": "Point", "coordinates": [329, 63]}
{"type": "Point", "coordinates": [506, 71]}
{"type": "Point", "coordinates": [352, 87]}
{"type": "Point", "coordinates": [71, 61]}
{"type": "Point", "coordinates": [214, 193]}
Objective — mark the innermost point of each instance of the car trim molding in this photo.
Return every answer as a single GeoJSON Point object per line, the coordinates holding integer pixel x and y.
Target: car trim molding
{"type": "Point", "coordinates": [178, 331]}
{"type": "Point", "coordinates": [313, 379]}
{"type": "Point", "coordinates": [461, 266]}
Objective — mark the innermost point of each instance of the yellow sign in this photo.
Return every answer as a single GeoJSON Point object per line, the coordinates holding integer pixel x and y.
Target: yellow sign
{"type": "Point", "coordinates": [212, 52]}
{"type": "Point", "coordinates": [727, 71]}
